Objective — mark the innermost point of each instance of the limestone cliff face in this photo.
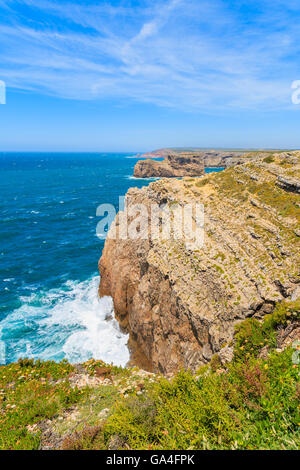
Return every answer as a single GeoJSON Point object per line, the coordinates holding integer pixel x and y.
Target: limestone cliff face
{"type": "Point", "coordinates": [180, 305]}
{"type": "Point", "coordinates": [189, 163]}
{"type": "Point", "coordinates": [171, 166]}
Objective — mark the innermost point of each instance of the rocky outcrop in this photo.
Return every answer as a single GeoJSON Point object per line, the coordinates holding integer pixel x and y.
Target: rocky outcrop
{"type": "Point", "coordinates": [180, 305]}
{"type": "Point", "coordinates": [190, 163]}
{"type": "Point", "coordinates": [171, 166]}
{"type": "Point", "coordinates": [290, 184]}
{"type": "Point", "coordinates": [221, 159]}
{"type": "Point", "coordinates": [160, 153]}
{"type": "Point", "coordinates": [209, 155]}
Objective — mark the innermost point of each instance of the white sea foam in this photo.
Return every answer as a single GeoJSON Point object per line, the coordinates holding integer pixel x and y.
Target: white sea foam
{"type": "Point", "coordinates": [70, 322]}
{"type": "Point", "coordinates": [2, 351]}
{"type": "Point", "coordinates": [152, 178]}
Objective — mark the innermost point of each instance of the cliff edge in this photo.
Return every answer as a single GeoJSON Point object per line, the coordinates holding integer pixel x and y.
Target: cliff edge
{"type": "Point", "coordinates": [180, 306]}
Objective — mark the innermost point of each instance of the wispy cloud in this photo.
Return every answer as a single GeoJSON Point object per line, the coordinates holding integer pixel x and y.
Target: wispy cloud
{"type": "Point", "coordinates": [188, 54]}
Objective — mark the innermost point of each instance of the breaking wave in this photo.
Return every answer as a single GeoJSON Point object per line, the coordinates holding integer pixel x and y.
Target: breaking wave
{"type": "Point", "coordinates": [70, 322]}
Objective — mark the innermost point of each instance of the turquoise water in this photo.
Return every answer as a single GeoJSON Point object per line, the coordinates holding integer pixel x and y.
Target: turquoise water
{"type": "Point", "coordinates": [49, 253]}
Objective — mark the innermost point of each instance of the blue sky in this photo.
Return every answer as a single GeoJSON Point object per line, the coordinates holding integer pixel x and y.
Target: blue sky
{"type": "Point", "coordinates": [137, 75]}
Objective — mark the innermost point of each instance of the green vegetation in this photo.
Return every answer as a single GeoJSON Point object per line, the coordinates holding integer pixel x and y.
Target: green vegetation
{"type": "Point", "coordinates": [29, 393]}
{"type": "Point", "coordinates": [252, 335]}
{"type": "Point", "coordinates": [220, 255]}
{"type": "Point", "coordinates": [250, 403]}
{"type": "Point", "coordinates": [92, 367]}
{"type": "Point", "coordinates": [202, 182]}
{"type": "Point", "coordinates": [218, 268]}
{"type": "Point", "coordinates": [269, 159]}
{"type": "Point", "coordinates": [91, 438]}
{"type": "Point", "coordinates": [266, 192]}
{"type": "Point", "coordinates": [253, 403]}
{"type": "Point", "coordinates": [285, 203]}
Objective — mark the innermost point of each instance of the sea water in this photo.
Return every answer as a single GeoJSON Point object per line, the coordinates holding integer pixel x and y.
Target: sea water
{"type": "Point", "coordinates": [49, 252]}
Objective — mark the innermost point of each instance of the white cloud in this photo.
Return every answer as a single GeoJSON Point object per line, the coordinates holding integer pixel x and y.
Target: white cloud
{"type": "Point", "coordinates": [181, 53]}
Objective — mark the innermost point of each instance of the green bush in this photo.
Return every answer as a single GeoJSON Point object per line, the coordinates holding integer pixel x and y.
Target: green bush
{"type": "Point", "coordinates": [90, 438]}
{"type": "Point", "coordinates": [251, 335]}
{"type": "Point", "coordinates": [30, 392]}
{"type": "Point", "coordinates": [252, 405]}
{"type": "Point", "coordinates": [269, 159]}
{"type": "Point", "coordinates": [180, 414]}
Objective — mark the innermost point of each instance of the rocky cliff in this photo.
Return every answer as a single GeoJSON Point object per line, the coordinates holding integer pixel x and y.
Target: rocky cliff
{"type": "Point", "coordinates": [190, 163]}
{"type": "Point", "coordinates": [179, 305]}
{"type": "Point", "coordinates": [172, 166]}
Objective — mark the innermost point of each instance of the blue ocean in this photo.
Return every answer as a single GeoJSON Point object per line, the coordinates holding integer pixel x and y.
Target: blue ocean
{"type": "Point", "coordinates": [49, 252]}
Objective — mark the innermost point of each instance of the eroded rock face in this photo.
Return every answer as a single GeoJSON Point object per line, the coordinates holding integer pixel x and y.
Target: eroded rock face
{"type": "Point", "coordinates": [189, 163]}
{"type": "Point", "coordinates": [289, 184]}
{"type": "Point", "coordinates": [180, 305]}
{"type": "Point", "coordinates": [172, 166]}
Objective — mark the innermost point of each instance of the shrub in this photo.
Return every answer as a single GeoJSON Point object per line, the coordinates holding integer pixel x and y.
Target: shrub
{"type": "Point", "coordinates": [184, 413]}
{"type": "Point", "coordinates": [30, 392]}
{"type": "Point", "coordinates": [251, 335]}
{"type": "Point", "coordinates": [90, 438]}
{"type": "Point", "coordinates": [269, 159]}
